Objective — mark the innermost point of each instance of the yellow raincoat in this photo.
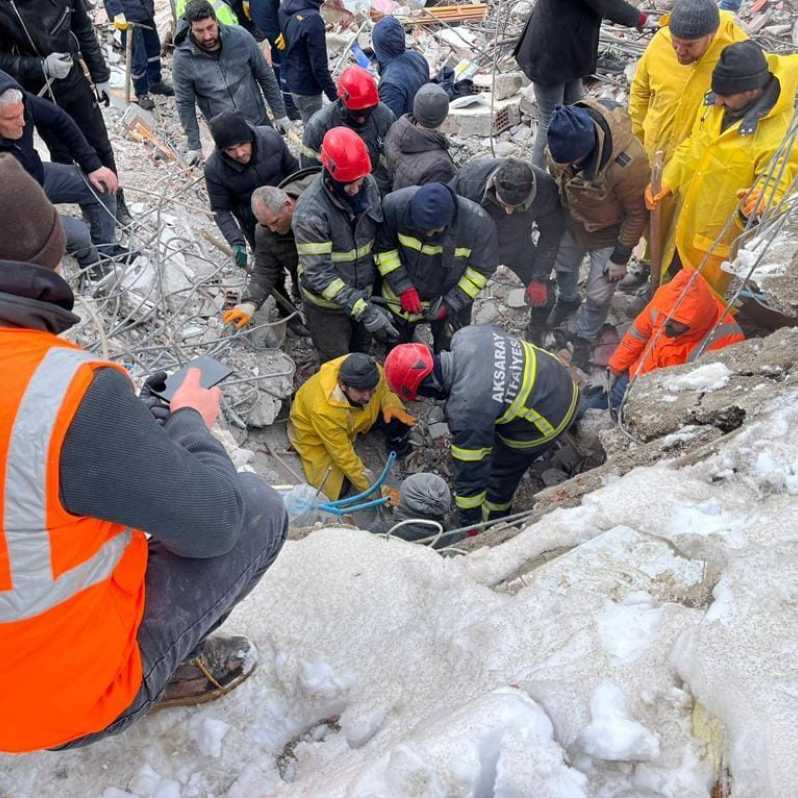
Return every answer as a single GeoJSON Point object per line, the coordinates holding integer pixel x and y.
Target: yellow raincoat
{"type": "Point", "coordinates": [710, 167]}
{"type": "Point", "coordinates": [665, 95]}
{"type": "Point", "coordinates": [323, 427]}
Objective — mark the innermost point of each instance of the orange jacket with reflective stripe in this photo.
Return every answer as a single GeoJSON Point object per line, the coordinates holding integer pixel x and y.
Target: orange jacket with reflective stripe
{"type": "Point", "coordinates": [71, 587]}
{"type": "Point", "coordinates": [699, 308]}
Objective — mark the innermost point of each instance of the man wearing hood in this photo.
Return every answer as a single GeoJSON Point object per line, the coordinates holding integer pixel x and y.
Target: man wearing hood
{"type": "Point", "coordinates": [127, 535]}
{"type": "Point", "coordinates": [416, 152]}
{"type": "Point", "coordinates": [220, 68]}
{"type": "Point", "coordinates": [435, 252]}
{"type": "Point", "coordinates": [402, 72]}
{"type": "Point", "coordinates": [358, 108]}
{"type": "Point", "coordinates": [303, 55]}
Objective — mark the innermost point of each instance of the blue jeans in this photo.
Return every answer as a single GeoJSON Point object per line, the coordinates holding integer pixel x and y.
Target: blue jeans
{"type": "Point", "coordinates": [730, 5]}
{"type": "Point", "coordinates": [146, 66]}
{"type": "Point", "coordinates": [598, 400]}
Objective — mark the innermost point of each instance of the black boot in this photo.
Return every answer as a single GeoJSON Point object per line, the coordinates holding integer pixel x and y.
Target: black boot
{"type": "Point", "coordinates": [122, 213]}
{"type": "Point", "coordinates": [562, 310]}
{"type": "Point", "coordinates": [145, 102]}
{"type": "Point", "coordinates": [162, 88]}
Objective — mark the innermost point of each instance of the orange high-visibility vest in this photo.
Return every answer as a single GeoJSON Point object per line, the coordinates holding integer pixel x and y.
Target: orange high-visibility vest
{"type": "Point", "coordinates": [71, 587]}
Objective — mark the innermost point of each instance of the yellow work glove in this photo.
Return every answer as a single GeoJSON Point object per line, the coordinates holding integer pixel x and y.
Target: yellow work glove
{"type": "Point", "coordinates": [240, 315]}
{"type": "Point", "coordinates": [391, 413]}
{"type": "Point", "coordinates": [120, 22]}
{"type": "Point", "coordinates": [279, 42]}
{"type": "Point", "coordinates": [392, 494]}
{"type": "Point", "coordinates": [753, 203]}
{"type": "Point", "coordinates": [652, 199]}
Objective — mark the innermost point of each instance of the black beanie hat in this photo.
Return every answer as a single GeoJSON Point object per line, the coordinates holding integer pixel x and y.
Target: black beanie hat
{"type": "Point", "coordinates": [359, 371]}
{"type": "Point", "coordinates": [230, 128]}
{"type": "Point", "coordinates": [742, 67]}
{"type": "Point", "coordinates": [514, 182]}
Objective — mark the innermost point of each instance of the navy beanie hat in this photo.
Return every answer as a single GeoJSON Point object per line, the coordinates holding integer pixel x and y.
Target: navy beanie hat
{"type": "Point", "coordinates": [432, 206]}
{"type": "Point", "coordinates": [572, 134]}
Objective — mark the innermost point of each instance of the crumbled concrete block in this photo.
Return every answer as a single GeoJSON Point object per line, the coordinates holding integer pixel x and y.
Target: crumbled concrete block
{"type": "Point", "coordinates": [516, 298]}
{"type": "Point", "coordinates": [486, 313]}
{"type": "Point", "coordinates": [506, 83]}
{"type": "Point", "coordinates": [438, 430]}
{"type": "Point", "coordinates": [478, 120]}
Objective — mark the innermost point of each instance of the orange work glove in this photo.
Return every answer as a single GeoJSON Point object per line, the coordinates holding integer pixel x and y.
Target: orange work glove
{"type": "Point", "coordinates": [392, 494]}
{"type": "Point", "coordinates": [652, 199]}
{"type": "Point", "coordinates": [391, 413]}
{"type": "Point", "coordinates": [753, 204]}
{"type": "Point", "coordinates": [240, 315]}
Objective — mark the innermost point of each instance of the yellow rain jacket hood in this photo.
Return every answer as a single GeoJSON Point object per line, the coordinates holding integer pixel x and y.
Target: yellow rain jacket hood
{"type": "Point", "coordinates": [711, 166]}
{"type": "Point", "coordinates": [665, 95]}
{"type": "Point", "coordinates": [324, 425]}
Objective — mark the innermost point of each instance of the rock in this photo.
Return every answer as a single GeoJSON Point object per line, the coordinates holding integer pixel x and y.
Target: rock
{"type": "Point", "coordinates": [505, 85]}
{"type": "Point", "coordinates": [438, 430]}
{"type": "Point", "coordinates": [474, 117]}
{"type": "Point", "coordinates": [486, 313]}
{"type": "Point", "coordinates": [516, 298]}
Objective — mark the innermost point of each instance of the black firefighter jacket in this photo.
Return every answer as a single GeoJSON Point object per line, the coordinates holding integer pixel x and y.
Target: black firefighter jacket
{"type": "Point", "coordinates": [456, 266]}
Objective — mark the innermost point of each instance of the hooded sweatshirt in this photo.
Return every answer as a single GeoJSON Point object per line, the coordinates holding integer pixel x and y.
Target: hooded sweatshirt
{"type": "Point", "coordinates": [402, 72]}
{"type": "Point", "coordinates": [303, 62]}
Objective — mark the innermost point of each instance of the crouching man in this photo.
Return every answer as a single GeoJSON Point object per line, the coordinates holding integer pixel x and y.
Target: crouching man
{"type": "Point", "coordinates": [98, 622]}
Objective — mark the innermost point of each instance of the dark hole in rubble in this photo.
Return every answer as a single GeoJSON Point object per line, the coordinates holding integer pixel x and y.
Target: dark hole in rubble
{"type": "Point", "coordinates": [726, 419]}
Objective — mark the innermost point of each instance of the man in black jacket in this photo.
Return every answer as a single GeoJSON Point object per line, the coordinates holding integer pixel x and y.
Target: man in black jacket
{"type": "Point", "coordinates": [245, 157]}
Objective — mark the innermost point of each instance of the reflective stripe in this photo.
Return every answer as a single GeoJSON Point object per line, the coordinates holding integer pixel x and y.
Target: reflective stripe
{"type": "Point", "coordinates": [472, 282]}
{"type": "Point", "coordinates": [497, 507]}
{"type": "Point", "coordinates": [462, 252]}
{"type": "Point", "coordinates": [718, 334]}
{"type": "Point", "coordinates": [470, 502]}
{"type": "Point", "coordinates": [636, 334]}
{"type": "Point", "coordinates": [333, 289]}
{"type": "Point", "coordinates": [530, 374]}
{"type": "Point", "coordinates": [555, 431]}
{"type": "Point", "coordinates": [358, 308]}
{"type": "Point", "coordinates": [414, 243]}
{"type": "Point", "coordinates": [314, 248]}
{"type": "Point", "coordinates": [353, 254]}
{"type": "Point", "coordinates": [387, 262]}
{"type": "Point", "coordinates": [27, 537]}
{"type": "Point", "coordinates": [305, 150]}
{"type": "Point", "coordinates": [471, 455]}
{"type": "Point", "coordinates": [653, 312]}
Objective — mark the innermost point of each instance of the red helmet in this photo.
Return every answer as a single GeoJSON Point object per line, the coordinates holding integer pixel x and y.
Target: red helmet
{"type": "Point", "coordinates": [406, 367]}
{"type": "Point", "coordinates": [358, 89]}
{"type": "Point", "coordinates": [345, 155]}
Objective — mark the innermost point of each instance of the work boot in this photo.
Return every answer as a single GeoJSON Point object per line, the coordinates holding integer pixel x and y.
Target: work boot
{"type": "Point", "coordinates": [122, 213]}
{"type": "Point", "coordinates": [146, 102]}
{"type": "Point", "coordinates": [217, 667]}
{"type": "Point", "coordinates": [118, 253]}
{"type": "Point", "coordinates": [162, 88]}
{"type": "Point", "coordinates": [562, 310]}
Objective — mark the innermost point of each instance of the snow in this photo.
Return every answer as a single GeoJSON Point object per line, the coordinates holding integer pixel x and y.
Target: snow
{"type": "Point", "coordinates": [208, 735]}
{"type": "Point", "coordinates": [710, 377]}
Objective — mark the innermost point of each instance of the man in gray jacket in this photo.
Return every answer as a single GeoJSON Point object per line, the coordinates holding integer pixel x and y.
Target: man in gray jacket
{"type": "Point", "coordinates": [220, 68]}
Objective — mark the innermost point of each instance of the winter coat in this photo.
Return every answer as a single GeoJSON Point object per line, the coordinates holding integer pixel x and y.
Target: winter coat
{"type": "Point", "coordinates": [516, 250]}
{"type": "Point", "coordinates": [324, 426]}
{"type": "Point", "coordinates": [604, 198]}
{"type": "Point", "coordinates": [561, 37]}
{"type": "Point", "coordinates": [54, 26]}
{"type": "Point", "coordinates": [336, 262]}
{"type": "Point", "coordinates": [665, 95]}
{"type": "Point", "coordinates": [235, 78]}
{"type": "Point", "coordinates": [134, 10]}
{"type": "Point", "coordinates": [373, 133]}
{"type": "Point", "coordinates": [275, 253]}
{"type": "Point", "coordinates": [415, 155]}
{"type": "Point", "coordinates": [699, 309]}
{"type": "Point", "coordinates": [230, 183]}
{"type": "Point", "coordinates": [455, 267]}
{"type": "Point", "coordinates": [711, 166]}
{"type": "Point", "coordinates": [500, 390]}
{"type": "Point", "coordinates": [43, 115]}
{"type": "Point", "coordinates": [303, 62]}
{"type": "Point", "coordinates": [402, 72]}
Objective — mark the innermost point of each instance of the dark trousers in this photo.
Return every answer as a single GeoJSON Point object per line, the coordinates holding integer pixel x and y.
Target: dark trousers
{"type": "Point", "coordinates": [146, 67]}
{"type": "Point", "coordinates": [334, 333]}
{"type": "Point", "coordinates": [187, 599]}
{"type": "Point", "coordinates": [508, 466]}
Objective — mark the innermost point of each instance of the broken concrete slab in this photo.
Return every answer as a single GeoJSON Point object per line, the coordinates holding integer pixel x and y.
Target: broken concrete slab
{"type": "Point", "coordinates": [505, 84]}
{"type": "Point", "coordinates": [477, 117]}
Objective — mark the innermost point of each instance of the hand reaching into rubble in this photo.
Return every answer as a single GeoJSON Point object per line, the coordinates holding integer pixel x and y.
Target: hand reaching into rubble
{"type": "Point", "coordinates": [240, 315]}
{"type": "Point", "coordinates": [191, 394]}
{"type": "Point", "coordinates": [378, 322]}
{"type": "Point", "coordinates": [399, 414]}
{"type": "Point", "coordinates": [538, 293]}
{"type": "Point", "coordinates": [194, 158]}
{"type": "Point", "coordinates": [240, 255]}
{"type": "Point", "coordinates": [104, 180]}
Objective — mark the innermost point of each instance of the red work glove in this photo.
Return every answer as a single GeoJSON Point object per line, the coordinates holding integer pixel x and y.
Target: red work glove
{"type": "Point", "coordinates": [641, 20]}
{"type": "Point", "coordinates": [443, 312]}
{"type": "Point", "coordinates": [411, 301]}
{"type": "Point", "coordinates": [537, 294]}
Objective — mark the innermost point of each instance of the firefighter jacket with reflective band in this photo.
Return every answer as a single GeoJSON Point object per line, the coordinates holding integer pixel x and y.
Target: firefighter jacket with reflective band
{"type": "Point", "coordinates": [455, 266]}
{"type": "Point", "coordinates": [712, 165]}
{"type": "Point", "coordinates": [373, 133]}
{"type": "Point", "coordinates": [688, 300]}
{"type": "Point", "coordinates": [335, 247]}
{"type": "Point", "coordinates": [502, 392]}
{"type": "Point", "coordinates": [71, 587]}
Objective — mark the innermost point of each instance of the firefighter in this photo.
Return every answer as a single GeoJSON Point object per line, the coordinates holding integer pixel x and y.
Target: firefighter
{"type": "Point", "coordinates": [435, 252]}
{"type": "Point", "coordinates": [507, 401]}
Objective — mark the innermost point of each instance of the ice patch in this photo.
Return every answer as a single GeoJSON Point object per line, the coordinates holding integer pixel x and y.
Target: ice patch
{"type": "Point", "coordinates": [711, 377]}
{"type": "Point", "coordinates": [208, 734]}
{"type": "Point", "coordinates": [628, 628]}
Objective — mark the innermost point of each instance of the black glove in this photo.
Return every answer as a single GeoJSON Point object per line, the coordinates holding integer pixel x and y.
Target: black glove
{"type": "Point", "coordinates": [157, 406]}
{"type": "Point", "coordinates": [397, 438]}
{"type": "Point", "coordinates": [377, 321]}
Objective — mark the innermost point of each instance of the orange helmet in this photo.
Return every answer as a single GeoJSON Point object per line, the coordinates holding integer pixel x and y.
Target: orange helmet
{"type": "Point", "coordinates": [358, 89]}
{"type": "Point", "coordinates": [345, 155]}
{"type": "Point", "coordinates": [406, 367]}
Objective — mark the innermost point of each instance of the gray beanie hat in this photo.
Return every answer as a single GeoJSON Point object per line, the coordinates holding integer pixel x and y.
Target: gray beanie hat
{"type": "Point", "coordinates": [692, 19]}
{"type": "Point", "coordinates": [431, 105]}
{"type": "Point", "coordinates": [425, 495]}
{"type": "Point", "coordinates": [359, 371]}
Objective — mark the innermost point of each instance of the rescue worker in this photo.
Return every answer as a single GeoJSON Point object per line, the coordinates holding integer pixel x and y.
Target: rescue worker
{"type": "Point", "coordinates": [358, 108]}
{"type": "Point", "coordinates": [335, 223]}
{"type": "Point", "coordinates": [601, 171]}
{"type": "Point", "coordinates": [416, 152]}
{"type": "Point", "coordinates": [402, 72]}
{"type": "Point", "coordinates": [127, 536]}
{"type": "Point", "coordinates": [303, 55]}
{"type": "Point", "coordinates": [220, 68]}
{"type": "Point", "coordinates": [435, 252]}
{"type": "Point", "coordinates": [245, 157]}
{"type": "Point", "coordinates": [682, 321]}
{"type": "Point", "coordinates": [727, 158]}
{"type": "Point", "coordinates": [519, 198]}
{"type": "Point", "coordinates": [342, 400]}
{"type": "Point", "coordinates": [507, 401]}
{"type": "Point", "coordinates": [275, 254]}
